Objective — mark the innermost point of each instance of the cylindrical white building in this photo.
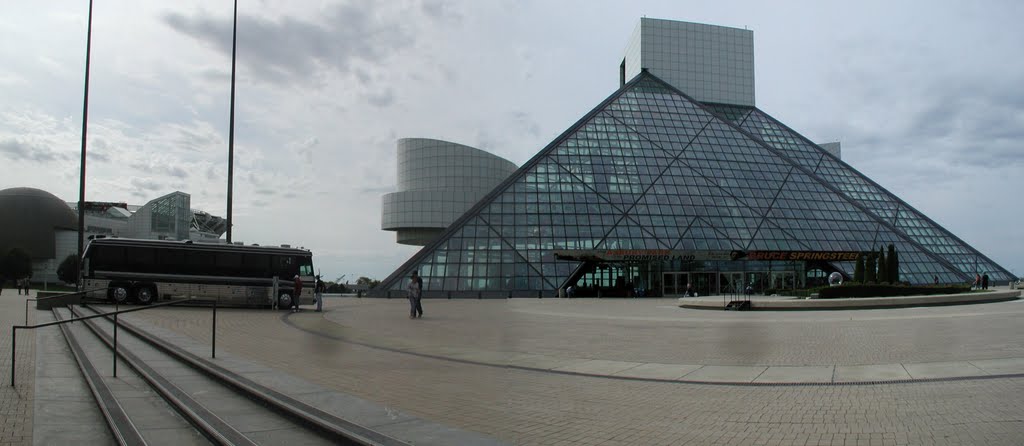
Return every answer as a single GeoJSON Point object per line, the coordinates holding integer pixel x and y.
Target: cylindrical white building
{"type": "Point", "coordinates": [437, 182]}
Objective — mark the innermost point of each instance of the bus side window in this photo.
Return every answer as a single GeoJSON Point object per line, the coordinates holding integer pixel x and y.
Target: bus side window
{"type": "Point", "coordinates": [284, 267]}
{"type": "Point", "coordinates": [108, 258]}
{"type": "Point", "coordinates": [229, 263]}
{"type": "Point", "coordinates": [170, 260]}
{"type": "Point", "coordinates": [256, 265]}
{"type": "Point", "coordinates": [139, 259]}
{"type": "Point", "coordinates": [200, 262]}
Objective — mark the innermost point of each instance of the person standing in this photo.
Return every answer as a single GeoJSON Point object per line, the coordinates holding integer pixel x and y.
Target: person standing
{"type": "Point", "coordinates": [297, 287]}
{"type": "Point", "coordinates": [984, 281]}
{"type": "Point", "coordinates": [318, 294]}
{"type": "Point", "coordinates": [415, 290]}
{"type": "Point", "coordinates": [977, 281]}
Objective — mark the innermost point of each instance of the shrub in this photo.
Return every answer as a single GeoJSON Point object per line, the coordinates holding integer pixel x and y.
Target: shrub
{"type": "Point", "coordinates": [877, 290]}
{"type": "Point", "coordinates": [858, 270]}
{"type": "Point", "coordinates": [883, 271]}
{"type": "Point", "coordinates": [67, 272]}
{"type": "Point", "coordinates": [870, 270]}
{"type": "Point", "coordinates": [893, 262]}
{"type": "Point", "coordinates": [16, 264]}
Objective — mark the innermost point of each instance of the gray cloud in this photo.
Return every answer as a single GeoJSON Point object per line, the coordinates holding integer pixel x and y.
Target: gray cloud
{"type": "Point", "coordinates": [178, 172]}
{"type": "Point", "coordinates": [441, 10]}
{"type": "Point", "coordinates": [145, 184]}
{"type": "Point", "coordinates": [978, 123]}
{"type": "Point", "coordinates": [98, 156]}
{"type": "Point", "coordinates": [20, 150]}
{"type": "Point", "coordinates": [382, 99]}
{"type": "Point", "coordinates": [525, 123]}
{"type": "Point", "coordinates": [195, 139]}
{"type": "Point", "coordinates": [287, 49]}
{"type": "Point", "coordinates": [377, 190]}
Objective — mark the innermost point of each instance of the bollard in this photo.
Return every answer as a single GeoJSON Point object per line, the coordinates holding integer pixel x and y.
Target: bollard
{"type": "Point", "coordinates": [14, 343]}
{"type": "Point", "coordinates": [115, 343]}
{"type": "Point", "coordinates": [214, 330]}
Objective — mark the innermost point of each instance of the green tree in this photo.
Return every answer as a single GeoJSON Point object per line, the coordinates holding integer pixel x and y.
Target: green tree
{"type": "Point", "coordinates": [334, 287]}
{"type": "Point", "coordinates": [367, 281]}
{"type": "Point", "coordinates": [67, 272]}
{"type": "Point", "coordinates": [883, 272]}
{"type": "Point", "coordinates": [858, 269]}
{"type": "Point", "coordinates": [870, 270]}
{"type": "Point", "coordinates": [17, 264]}
{"type": "Point", "coordinates": [893, 262]}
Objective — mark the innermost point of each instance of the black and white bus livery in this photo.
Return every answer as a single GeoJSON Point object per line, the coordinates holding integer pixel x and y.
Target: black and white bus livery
{"type": "Point", "coordinates": [146, 271]}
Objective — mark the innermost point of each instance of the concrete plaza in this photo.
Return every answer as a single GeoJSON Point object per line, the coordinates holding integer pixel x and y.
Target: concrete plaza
{"type": "Point", "coordinates": [637, 371]}
{"type": "Point", "coordinates": [644, 371]}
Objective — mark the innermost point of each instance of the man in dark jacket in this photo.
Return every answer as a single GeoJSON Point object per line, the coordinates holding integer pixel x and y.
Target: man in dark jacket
{"type": "Point", "coordinates": [984, 281]}
{"type": "Point", "coordinates": [297, 293]}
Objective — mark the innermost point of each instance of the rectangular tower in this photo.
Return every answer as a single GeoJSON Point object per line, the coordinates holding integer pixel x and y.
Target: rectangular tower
{"type": "Point", "coordinates": [710, 63]}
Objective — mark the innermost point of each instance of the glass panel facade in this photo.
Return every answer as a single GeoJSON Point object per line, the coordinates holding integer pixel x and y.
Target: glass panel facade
{"type": "Point", "coordinates": [170, 215]}
{"type": "Point", "coordinates": [649, 169]}
{"type": "Point", "coordinates": [935, 242]}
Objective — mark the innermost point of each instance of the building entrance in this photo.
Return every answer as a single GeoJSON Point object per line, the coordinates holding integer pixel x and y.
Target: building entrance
{"type": "Point", "coordinates": [703, 283]}
{"type": "Point", "coordinates": [731, 282]}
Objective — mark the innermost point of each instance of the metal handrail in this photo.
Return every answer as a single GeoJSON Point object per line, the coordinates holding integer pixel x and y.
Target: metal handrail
{"type": "Point", "coordinates": [15, 328]}
{"type": "Point", "coordinates": [37, 299]}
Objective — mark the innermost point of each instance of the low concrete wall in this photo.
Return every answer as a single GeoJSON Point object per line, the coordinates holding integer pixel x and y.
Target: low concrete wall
{"type": "Point", "coordinates": [48, 300]}
{"type": "Point", "coordinates": [858, 303]}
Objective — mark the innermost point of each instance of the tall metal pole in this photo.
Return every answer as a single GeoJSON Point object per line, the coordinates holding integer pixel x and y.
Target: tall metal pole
{"type": "Point", "coordinates": [85, 123]}
{"type": "Point", "coordinates": [231, 130]}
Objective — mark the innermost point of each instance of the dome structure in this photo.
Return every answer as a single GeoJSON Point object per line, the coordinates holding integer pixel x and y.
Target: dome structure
{"type": "Point", "coordinates": [30, 217]}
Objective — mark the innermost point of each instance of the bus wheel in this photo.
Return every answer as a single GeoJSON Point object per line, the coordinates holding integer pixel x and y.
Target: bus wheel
{"type": "Point", "coordinates": [145, 295]}
{"type": "Point", "coordinates": [284, 301]}
{"type": "Point", "coordinates": [119, 293]}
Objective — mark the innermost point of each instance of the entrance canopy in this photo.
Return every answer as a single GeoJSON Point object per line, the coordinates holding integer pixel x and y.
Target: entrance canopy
{"type": "Point", "coordinates": [647, 255]}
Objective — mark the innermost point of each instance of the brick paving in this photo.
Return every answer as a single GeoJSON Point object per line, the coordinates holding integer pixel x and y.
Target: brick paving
{"type": "Point", "coordinates": [16, 402]}
{"type": "Point", "coordinates": [532, 407]}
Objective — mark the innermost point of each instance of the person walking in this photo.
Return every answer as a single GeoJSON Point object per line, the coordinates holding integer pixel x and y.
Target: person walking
{"type": "Point", "coordinates": [415, 290]}
{"type": "Point", "coordinates": [318, 294]}
{"type": "Point", "coordinates": [984, 281]}
{"type": "Point", "coordinates": [298, 292]}
{"type": "Point", "coordinates": [977, 282]}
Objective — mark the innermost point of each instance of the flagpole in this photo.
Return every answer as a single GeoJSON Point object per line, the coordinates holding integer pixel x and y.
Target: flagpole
{"type": "Point", "coordinates": [231, 130]}
{"type": "Point", "coordinates": [81, 177]}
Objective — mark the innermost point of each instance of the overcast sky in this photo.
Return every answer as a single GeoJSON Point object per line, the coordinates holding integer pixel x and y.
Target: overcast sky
{"type": "Point", "coordinates": [926, 98]}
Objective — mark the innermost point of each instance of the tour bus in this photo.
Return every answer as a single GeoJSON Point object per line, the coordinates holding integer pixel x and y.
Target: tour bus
{"type": "Point", "coordinates": [146, 271]}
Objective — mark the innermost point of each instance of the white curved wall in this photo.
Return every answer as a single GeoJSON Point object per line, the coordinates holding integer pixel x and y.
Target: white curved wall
{"type": "Point", "coordinates": [437, 182]}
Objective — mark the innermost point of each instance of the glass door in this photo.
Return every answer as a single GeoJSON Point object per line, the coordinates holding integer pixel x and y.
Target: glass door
{"type": "Point", "coordinates": [674, 284]}
{"type": "Point", "coordinates": [731, 283]}
{"type": "Point", "coordinates": [704, 284]}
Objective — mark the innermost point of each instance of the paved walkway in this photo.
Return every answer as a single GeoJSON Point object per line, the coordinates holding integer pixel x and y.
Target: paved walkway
{"type": "Point", "coordinates": [16, 402]}
{"type": "Point", "coordinates": [631, 371]}
{"type": "Point", "coordinates": [637, 371]}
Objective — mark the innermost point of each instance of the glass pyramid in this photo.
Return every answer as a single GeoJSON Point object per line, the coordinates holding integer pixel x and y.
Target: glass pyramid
{"type": "Point", "coordinates": [651, 169]}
